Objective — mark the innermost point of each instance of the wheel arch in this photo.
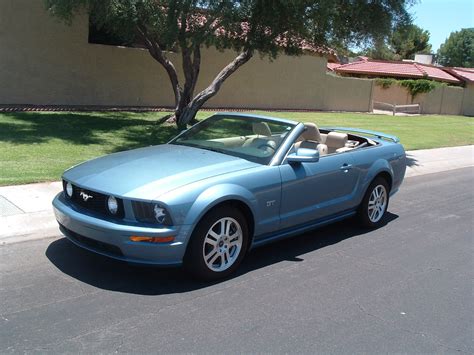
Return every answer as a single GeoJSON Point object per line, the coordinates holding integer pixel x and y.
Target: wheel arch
{"type": "Point", "coordinates": [380, 168]}
{"type": "Point", "coordinates": [387, 177]}
{"type": "Point", "coordinates": [242, 207]}
{"type": "Point", "coordinates": [223, 195]}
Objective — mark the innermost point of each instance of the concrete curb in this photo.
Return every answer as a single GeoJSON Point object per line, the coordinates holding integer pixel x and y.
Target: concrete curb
{"type": "Point", "coordinates": [26, 213]}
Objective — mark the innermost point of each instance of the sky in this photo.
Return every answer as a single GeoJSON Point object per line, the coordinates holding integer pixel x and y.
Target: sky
{"type": "Point", "coordinates": [441, 17]}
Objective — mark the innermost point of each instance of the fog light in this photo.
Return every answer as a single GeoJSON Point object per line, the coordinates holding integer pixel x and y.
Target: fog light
{"type": "Point", "coordinates": [69, 190]}
{"type": "Point", "coordinates": [112, 205]}
{"type": "Point", "coordinates": [135, 238]}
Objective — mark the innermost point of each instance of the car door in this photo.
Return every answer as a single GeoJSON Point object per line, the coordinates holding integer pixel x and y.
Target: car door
{"type": "Point", "coordinates": [311, 191]}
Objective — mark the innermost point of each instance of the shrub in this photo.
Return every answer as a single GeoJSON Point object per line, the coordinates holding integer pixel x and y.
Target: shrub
{"type": "Point", "coordinates": [385, 83]}
{"type": "Point", "coordinates": [414, 86]}
{"type": "Point", "coordinates": [419, 86]}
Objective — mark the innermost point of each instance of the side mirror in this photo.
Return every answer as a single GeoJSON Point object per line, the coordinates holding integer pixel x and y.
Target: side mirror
{"type": "Point", "coordinates": [303, 155]}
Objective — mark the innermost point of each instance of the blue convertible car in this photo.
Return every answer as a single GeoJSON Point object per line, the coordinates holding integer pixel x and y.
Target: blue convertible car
{"type": "Point", "coordinates": [228, 184]}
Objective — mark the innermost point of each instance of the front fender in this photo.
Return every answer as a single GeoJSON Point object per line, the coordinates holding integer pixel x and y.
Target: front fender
{"type": "Point", "coordinates": [215, 195]}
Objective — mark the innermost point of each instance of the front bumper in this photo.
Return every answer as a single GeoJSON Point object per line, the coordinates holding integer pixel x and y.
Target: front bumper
{"type": "Point", "coordinates": [111, 239]}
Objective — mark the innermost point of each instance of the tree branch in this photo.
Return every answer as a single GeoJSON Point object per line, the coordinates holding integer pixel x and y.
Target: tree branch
{"type": "Point", "coordinates": [191, 109]}
{"type": "Point", "coordinates": [157, 53]}
{"type": "Point", "coordinates": [216, 84]}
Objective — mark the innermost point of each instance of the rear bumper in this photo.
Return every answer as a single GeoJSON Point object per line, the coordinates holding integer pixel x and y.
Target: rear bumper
{"type": "Point", "coordinates": [111, 239]}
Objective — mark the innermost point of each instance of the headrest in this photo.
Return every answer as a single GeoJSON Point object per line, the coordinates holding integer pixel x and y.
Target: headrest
{"type": "Point", "coordinates": [261, 128]}
{"type": "Point", "coordinates": [311, 133]}
{"type": "Point", "coordinates": [336, 139]}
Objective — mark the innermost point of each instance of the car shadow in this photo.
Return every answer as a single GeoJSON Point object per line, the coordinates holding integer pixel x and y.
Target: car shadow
{"type": "Point", "coordinates": [109, 274]}
{"type": "Point", "coordinates": [411, 160]}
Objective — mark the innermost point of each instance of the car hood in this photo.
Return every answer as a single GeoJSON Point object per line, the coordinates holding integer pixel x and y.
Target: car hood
{"type": "Point", "coordinates": [147, 173]}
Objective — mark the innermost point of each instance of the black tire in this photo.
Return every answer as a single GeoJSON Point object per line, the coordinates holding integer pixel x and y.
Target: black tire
{"type": "Point", "coordinates": [363, 212]}
{"type": "Point", "coordinates": [194, 261]}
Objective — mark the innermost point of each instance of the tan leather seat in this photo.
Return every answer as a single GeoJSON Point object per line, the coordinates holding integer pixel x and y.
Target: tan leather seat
{"type": "Point", "coordinates": [321, 148]}
{"type": "Point", "coordinates": [261, 129]}
{"type": "Point", "coordinates": [262, 133]}
{"type": "Point", "coordinates": [335, 141]}
{"type": "Point", "coordinates": [311, 139]}
{"type": "Point", "coordinates": [310, 133]}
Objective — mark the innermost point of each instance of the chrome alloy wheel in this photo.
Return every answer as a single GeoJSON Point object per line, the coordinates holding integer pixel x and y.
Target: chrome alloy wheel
{"type": "Point", "coordinates": [222, 244]}
{"type": "Point", "coordinates": [377, 203]}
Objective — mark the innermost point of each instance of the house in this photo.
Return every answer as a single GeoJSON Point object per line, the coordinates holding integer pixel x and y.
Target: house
{"type": "Point", "coordinates": [371, 68]}
{"type": "Point", "coordinates": [464, 74]}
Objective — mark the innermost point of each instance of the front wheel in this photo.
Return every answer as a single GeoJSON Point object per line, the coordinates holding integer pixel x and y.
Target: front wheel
{"type": "Point", "coordinates": [218, 244]}
{"type": "Point", "coordinates": [375, 203]}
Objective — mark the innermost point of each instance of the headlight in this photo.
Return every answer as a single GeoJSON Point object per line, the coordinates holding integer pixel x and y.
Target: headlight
{"type": "Point", "coordinates": [151, 213]}
{"type": "Point", "coordinates": [69, 190]}
{"type": "Point", "coordinates": [112, 205]}
{"type": "Point", "coordinates": [160, 214]}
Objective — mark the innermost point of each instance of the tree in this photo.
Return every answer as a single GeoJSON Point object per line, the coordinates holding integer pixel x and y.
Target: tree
{"type": "Point", "coordinates": [458, 49]}
{"type": "Point", "coordinates": [269, 27]}
{"type": "Point", "coordinates": [405, 41]}
{"type": "Point", "coordinates": [408, 40]}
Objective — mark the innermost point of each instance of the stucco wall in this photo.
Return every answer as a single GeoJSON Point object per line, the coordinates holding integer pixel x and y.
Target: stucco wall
{"type": "Point", "coordinates": [446, 100]}
{"type": "Point", "coordinates": [45, 62]}
{"type": "Point", "coordinates": [347, 94]}
{"type": "Point", "coordinates": [468, 100]}
{"type": "Point", "coordinates": [452, 101]}
{"type": "Point", "coordinates": [395, 95]}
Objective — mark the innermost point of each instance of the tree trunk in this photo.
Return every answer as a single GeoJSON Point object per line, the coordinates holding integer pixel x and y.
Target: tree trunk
{"type": "Point", "coordinates": [191, 68]}
{"type": "Point", "coordinates": [186, 108]}
{"type": "Point", "coordinates": [188, 113]}
{"type": "Point", "coordinates": [157, 53]}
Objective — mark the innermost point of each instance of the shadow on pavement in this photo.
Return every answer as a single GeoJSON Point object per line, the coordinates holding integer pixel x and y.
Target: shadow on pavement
{"type": "Point", "coordinates": [114, 275]}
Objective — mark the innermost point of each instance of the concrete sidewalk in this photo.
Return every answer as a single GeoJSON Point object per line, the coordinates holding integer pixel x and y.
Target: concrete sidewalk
{"type": "Point", "coordinates": [26, 212]}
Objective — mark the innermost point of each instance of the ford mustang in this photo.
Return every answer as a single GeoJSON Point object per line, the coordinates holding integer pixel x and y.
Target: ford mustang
{"type": "Point", "coordinates": [228, 184]}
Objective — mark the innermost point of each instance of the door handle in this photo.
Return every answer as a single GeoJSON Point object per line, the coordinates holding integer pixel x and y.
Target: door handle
{"type": "Point", "coordinates": [346, 167]}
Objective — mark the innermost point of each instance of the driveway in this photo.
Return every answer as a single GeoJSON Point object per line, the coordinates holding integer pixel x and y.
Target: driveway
{"type": "Point", "coordinates": [406, 287]}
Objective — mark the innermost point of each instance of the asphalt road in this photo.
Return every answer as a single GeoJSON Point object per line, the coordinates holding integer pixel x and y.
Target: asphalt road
{"type": "Point", "coordinates": [406, 287]}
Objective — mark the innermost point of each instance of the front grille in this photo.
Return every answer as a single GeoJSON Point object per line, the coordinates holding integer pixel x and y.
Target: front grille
{"type": "Point", "coordinates": [92, 243]}
{"type": "Point", "coordinates": [93, 201]}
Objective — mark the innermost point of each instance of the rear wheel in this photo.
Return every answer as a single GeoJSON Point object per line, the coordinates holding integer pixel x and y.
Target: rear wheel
{"type": "Point", "coordinates": [218, 244]}
{"type": "Point", "coordinates": [375, 203]}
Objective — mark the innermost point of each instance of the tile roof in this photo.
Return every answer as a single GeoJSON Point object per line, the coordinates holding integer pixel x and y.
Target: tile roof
{"type": "Point", "coordinates": [396, 69]}
{"type": "Point", "coordinates": [200, 19]}
{"type": "Point", "coordinates": [465, 74]}
{"type": "Point", "coordinates": [333, 66]}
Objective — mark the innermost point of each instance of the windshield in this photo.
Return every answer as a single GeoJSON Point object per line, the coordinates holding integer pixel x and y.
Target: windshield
{"type": "Point", "coordinates": [251, 138]}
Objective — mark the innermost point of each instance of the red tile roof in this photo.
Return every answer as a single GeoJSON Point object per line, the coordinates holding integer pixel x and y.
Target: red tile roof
{"type": "Point", "coordinates": [396, 69]}
{"type": "Point", "coordinates": [200, 19]}
{"type": "Point", "coordinates": [333, 66]}
{"type": "Point", "coordinates": [465, 74]}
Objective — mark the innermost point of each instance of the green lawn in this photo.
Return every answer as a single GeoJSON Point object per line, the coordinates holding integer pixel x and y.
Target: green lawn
{"type": "Point", "coordinates": [39, 146]}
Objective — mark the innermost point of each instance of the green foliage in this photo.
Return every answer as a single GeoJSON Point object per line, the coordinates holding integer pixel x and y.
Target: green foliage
{"type": "Point", "coordinates": [414, 87]}
{"type": "Point", "coordinates": [408, 40]}
{"type": "Point", "coordinates": [404, 42]}
{"type": "Point", "coordinates": [385, 83]}
{"type": "Point", "coordinates": [319, 22]}
{"type": "Point", "coordinates": [269, 27]}
{"type": "Point", "coordinates": [186, 23]}
{"type": "Point", "coordinates": [419, 86]}
{"type": "Point", "coordinates": [458, 49]}
{"type": "Point", "coordinates": [379, 50]}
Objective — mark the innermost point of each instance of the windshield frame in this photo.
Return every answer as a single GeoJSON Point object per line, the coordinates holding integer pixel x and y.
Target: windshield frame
{"type": "Point", "coordinates": [269, 161]}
